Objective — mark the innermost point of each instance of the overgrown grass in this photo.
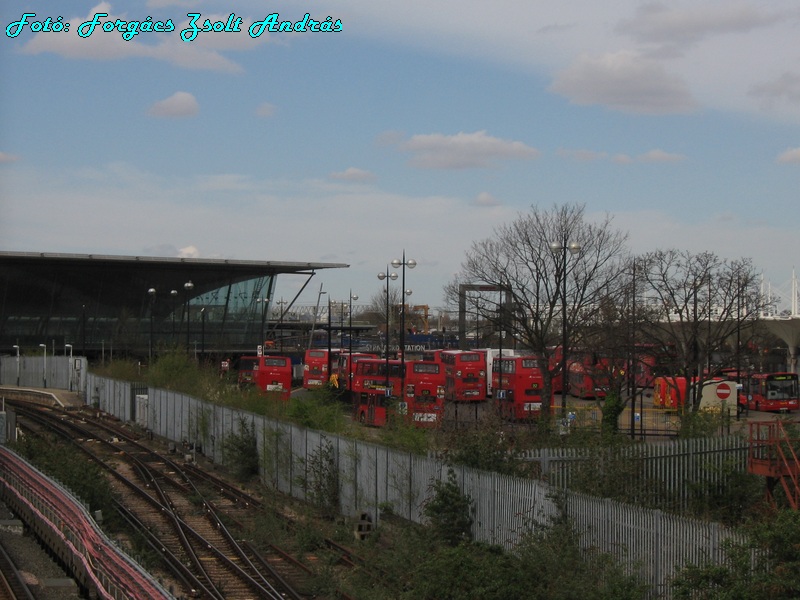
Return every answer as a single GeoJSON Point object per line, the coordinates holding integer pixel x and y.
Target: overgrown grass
{"type": "Point", "coordinates": [67, 464]}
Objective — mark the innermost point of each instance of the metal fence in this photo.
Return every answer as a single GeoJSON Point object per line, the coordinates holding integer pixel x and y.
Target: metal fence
{"type": "Point", "coordinates": [373, 479]}
{"type": "Point", "coordinates": [663, 475]}
{"type": "Point", "coordinates": [60, 372]}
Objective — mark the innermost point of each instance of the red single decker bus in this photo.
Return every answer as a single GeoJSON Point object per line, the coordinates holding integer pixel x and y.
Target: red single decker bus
{"type": "Point", "coordinates": [425, 383]}
{"type": "Point", "coordinates": [771, 391]}
{"type": "Point", "coordinates": [518, 386]}
{"type": "Point", "coordinates": [273, 375]}
{"type": "Point", "coordinates": [465, 375]}
{"type": "Point", "coordinates": [374, 391]}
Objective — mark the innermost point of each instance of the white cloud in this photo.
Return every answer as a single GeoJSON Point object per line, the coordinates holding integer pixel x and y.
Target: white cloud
{"type": "Point", "coordinates": [353, 174]}
{"type": "Point", "coordinates": [786, 88]}
{"type": "Point", "coordinates": [180, 104]}
{"type": "Point", "coordinates": [225, 182]}
{"type": "Point", "coordinates": [486, 199]}
{"type": "Point", "coordinates": [656, 22]}
{"type": "Point", "coordinates": [265, 110]}
{"type": "Point", "coordinates": [657, 155]}
{"type": "Point", "coordinates": [189, 252]}
{"type": "Point", "coordinates": [463, 150]}
{"type": "Point", "coordinates": [711, 51]}
{"type": "Point", "coordinates": [791, 155]}
{"type": "Point", "coordinates": [625, 82]}
{"type": "Point", "coordinates": [582, 155]}
{"type": "Point", "coordinates": [5, 157]}
{"type": "Point", "coordinates": [652, 156]}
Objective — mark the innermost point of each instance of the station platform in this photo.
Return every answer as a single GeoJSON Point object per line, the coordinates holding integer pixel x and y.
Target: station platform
{"type": "Point", "coordinates": [51, 396]}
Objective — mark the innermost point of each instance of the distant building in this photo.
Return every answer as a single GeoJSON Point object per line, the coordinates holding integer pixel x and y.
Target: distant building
{"type": "Point", "coordinates": [135, 304]}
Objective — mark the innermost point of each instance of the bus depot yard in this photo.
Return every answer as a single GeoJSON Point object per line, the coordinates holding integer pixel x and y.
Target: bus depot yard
{"type": "Point", "coordinates": [457, 388]}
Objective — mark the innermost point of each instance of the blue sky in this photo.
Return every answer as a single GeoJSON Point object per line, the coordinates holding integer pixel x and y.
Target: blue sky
{"type": "Point", "coordinates": [419, 126]}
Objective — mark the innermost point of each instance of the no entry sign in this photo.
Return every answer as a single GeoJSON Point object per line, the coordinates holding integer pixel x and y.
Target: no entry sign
{"type": "Point", "coordinates": [723, 390]}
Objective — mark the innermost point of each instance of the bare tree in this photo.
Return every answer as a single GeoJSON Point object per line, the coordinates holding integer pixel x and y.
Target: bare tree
{"type": "Point", "coordinates": [377, 311]}
{"type": "Point", "coordinates": [529, 260]}
{"type": "Point", "coordinates": [695, 306]}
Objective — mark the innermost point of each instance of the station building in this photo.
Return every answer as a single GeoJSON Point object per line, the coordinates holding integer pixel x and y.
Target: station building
{"type": "Point", "coordinates": [136, 305]}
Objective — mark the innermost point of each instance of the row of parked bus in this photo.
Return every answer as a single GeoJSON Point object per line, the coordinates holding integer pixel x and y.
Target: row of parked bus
{"type": "Point", "coordinates": [419, 389]}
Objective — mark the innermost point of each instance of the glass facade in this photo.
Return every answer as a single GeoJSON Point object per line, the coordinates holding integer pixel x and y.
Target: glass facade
{"type": "Point", "coordinates": [135, 305]}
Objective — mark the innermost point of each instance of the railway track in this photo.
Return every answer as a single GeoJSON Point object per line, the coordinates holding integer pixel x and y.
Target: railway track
{"type": "Point", "coordinates": [197, 522]}
{"type": "Point", "coordinates": [12, 585]}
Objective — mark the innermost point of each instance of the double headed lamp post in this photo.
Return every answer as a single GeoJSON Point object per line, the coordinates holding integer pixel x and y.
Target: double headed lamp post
{"type": "Point", "coordinates": [574, 249]}
{"type": "Point", "coordinates": [350, 368]}
{"type": "Point", "coordinates": [387, 276]}
{"type": "Point", "coordinates": [410, 263]}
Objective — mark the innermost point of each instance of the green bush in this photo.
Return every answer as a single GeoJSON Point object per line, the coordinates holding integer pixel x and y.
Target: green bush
{"type": "Point", "coordinates": [449, 511]}
{"type": "Point", "coordinates": [240, 452]}
{"type": "Point", "coordinates": [766, 565]}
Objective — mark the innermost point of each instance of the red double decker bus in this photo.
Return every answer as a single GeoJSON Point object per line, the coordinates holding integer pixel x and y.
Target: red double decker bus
{"type": "Point", "coordinates": [315, 367]}
{"type": "Point", "coordinates": [345, 367]}
{"type": "Point", "coordinates": [465, 375]}
{"type": "Point", "coordinates": [273, 374]}
{"type": "Point", "coordinates": [589, 380]}
{"type": "Point", "coordinates": [771, 391]}
{"type": "Point", "coordinates": [247, 370]}
{"type": "Point", "coordinates": [651, 362]}
{"type": "Point", "coordinates": [425, 382]}
{"type": "Point", "coordinates": [518, 386]}
{"type": "Point", "coordinates": [376, 390]}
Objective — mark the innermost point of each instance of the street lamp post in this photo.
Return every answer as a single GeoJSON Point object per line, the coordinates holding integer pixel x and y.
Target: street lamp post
{"type": "Point", "coordinates": [188, 287]}
{"type": "Point", "coordinates": [330, 362]}
{"type": "Point", "coordinates": [350, 369]}
{"type": "Point", "coordinates": [314, 322]}
{"type": "Point", "coordinates": [281, 303]}
{"type": "Point", "coordinates": [173, 294]}
{"type": "Point", "coordinates": [69, 366]}
{"type": "Point", "coordinates": [44, 368]}
{"type": "Point", "coordinates": [561, 248]}
{"type": "Point", "coordinates": [152, 293]}
{"type": "Point", "coordinates": [387, 276]}
{"type": "Point", "coordinates": [203, 333]}
{"type": "Point", "coordinates": [264, 311]}
{"type": "Point", "coordinates": [410, 263]}
{"type": "Point", "coordinates": [16, 347]}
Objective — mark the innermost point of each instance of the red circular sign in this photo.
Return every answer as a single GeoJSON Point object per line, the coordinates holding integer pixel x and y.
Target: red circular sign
{"type": "Point", "coordinates": [723, 390]}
